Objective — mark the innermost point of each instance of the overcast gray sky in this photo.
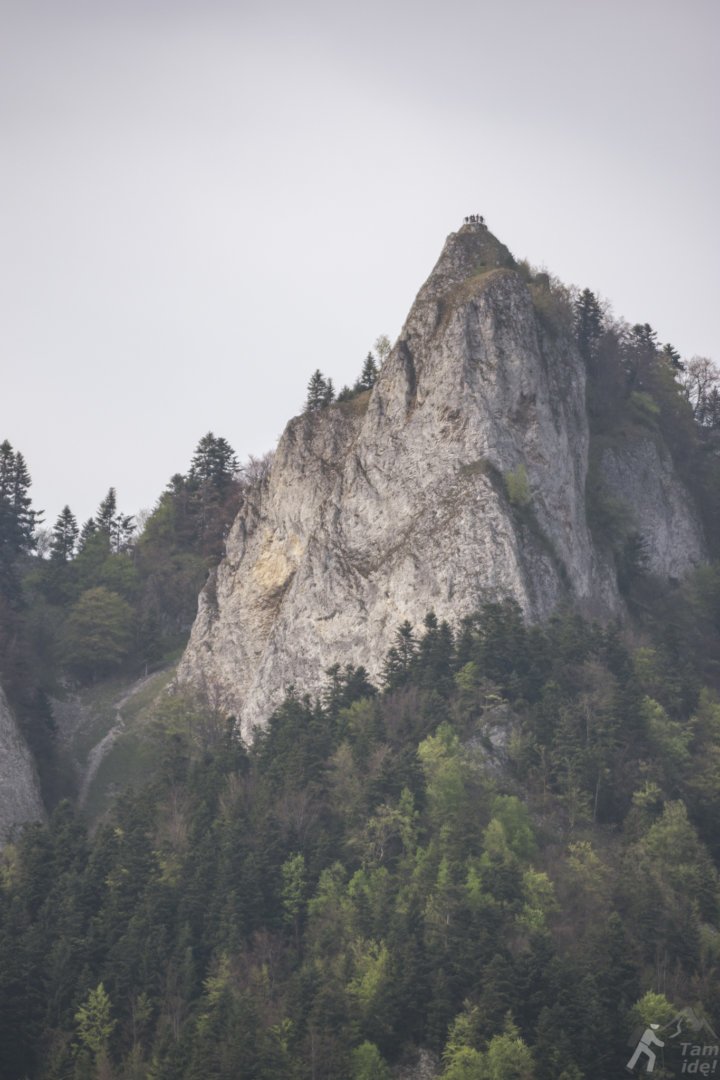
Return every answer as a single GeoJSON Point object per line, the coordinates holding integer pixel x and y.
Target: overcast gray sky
{"type": "Point", "coordinates": [202, 202]}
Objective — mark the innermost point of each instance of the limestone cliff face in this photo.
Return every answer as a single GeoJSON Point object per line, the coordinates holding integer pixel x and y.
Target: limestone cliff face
{"type": "Point", "coordinates": [20, 799]}
{"type": "Point", "coordinates": [641, 475]}
{"type": "Point", "coordinates": [395, 504]}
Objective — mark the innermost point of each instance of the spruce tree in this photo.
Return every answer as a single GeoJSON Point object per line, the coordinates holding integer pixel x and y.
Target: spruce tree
{"type": "Point", "coordinates": [8, 531]}
{"type": "Point", "coordinates": [672, 356]}
{"type": "Point", "coordinates": [107, 510]}
{"type": "Point", "coordinates": [640, 354]}
{"type": "Point", "coordinates": [27, 518]}
{"type": "Point", "coordinates": [316, 392]}
{"type": "Point", "coordinates": [117, 527]}
{"type": "Point", "coordinates": [401, 657]}
{"type": "Point", "coordinates": [369, 374]}
{"type": "Point", "coordinates": [17, 518]}
{"type": "Point", "coordinates": [7, 467]}
{"type": "Point", "coordinates": [64, 536]}
{"type": "Point", "coordinates": [202, 504]}
{"type": "Point", "coordinates": [123, 530]}
{"type": "Point", "coordinates": [589, 325]}
{"type": "Point", "coordinates": [328, 394]}
{"type": "Point", "coordinates": [88, 530]}
{"type": "Point", "coordinates": [214, 462]}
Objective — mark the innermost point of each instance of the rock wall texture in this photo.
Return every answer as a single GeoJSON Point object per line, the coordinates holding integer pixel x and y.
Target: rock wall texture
{"type": "Point", "coordinates": [641, 475]}
{"type": "Point", "coordinates": [459, 477]}
{"type": "Point", "coordinates": [20, 799]}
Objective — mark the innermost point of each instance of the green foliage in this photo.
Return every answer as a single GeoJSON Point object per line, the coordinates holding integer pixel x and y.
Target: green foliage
{"type": "Point", "coordinates": [553, 304]}
{"type": "Point", "coordinates": [94, 1022]}
{"type": "Point", "coordinates": [98, 633]}
{"type": "Point", "coordinates": [652, 1008]}
{"type": "Point", "coordinates": [609, 518]}
{"type": "Point", "coordinates": [17, 518]}
{"type": "Point", "coordinates": [18, 521]}
{"type": "Point", "coordinates": [362, 385]}
{"type": "Point", "coordinates": [589, 325]}
{"type": "Point", "coordinates": [214, 463]}
{"type": "Point", "coordinates": [517, 827]}
{"type": "Point", "coordinates": [383, 347]}
{"type": "Point", "coordinates": [669, 739]}
{"type": "Point", "coordinates": [466, 1064]}
{"type": "Point", "coordinates": [507, 1055]}
{"type": "Point", "coordinates": [446, 771]}
{"type": "Point", "coordinates": [517, 486]}
{"type": "Point", "coordinates": [369, 374]}
{"type": "Point", "coordinates": [320, 392]}
{"type": "Point", "coordinates": [644, 409]}
{"type": "Point", "coordinates": [64, 536]}
{"type": "Point", "coordinates": [158, 575]}
{"type": "Point", "coordinates": [508, 1058]}
{"type": "Point", "coordinates": [518, 822]}
{"type": "Point", "coordinates": [493, 871]}
{"type": "Point", "coordinates": [401, 658]}
{"type": "Point", "coordinates": [367, 1063]}
{"type": "Point", "coordinates": [293, 894]}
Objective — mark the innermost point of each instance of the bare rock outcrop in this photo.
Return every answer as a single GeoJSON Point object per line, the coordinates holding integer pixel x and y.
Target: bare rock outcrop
{"type": "Point", "coordinates": [640, 474]}
{"type": "Point", "coordinates": [460, 477]}
{"type": "Point", "coordinates": [20, 799]}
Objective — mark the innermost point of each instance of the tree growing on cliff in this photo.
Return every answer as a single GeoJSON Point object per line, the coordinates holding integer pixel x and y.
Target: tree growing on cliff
{"type": "Point", "coordinates": [383, 347]}
{"type": "Point", "coordinates": [641, 355]}
{"type": "Point", "coordinates": [212, 493]}
{"type": "Point", "coordinates": [214, 462]}
{"type": "Point", "coordinates": [369, 374]}
{"type": "Point", "coordinates": [589, 324]}
{"type": "Point", "coordinates": [320, 392]}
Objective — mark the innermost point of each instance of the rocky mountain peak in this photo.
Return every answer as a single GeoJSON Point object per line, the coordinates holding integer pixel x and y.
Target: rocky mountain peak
{"type": "Point", "coordinates": [461, 479]}
{"type": "Point", "coordinates": [471, 251]}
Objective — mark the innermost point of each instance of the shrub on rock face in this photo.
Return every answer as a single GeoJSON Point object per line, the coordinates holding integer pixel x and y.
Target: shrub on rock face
{"type": "Point", "coordinates": [517, 486]}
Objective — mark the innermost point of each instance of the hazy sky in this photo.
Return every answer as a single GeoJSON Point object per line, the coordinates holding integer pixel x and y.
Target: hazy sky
{"type": "Point", "coordinates": [202, 202]}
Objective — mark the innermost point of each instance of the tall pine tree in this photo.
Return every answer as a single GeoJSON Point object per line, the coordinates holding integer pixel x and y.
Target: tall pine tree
{"type": "Point", "coordinates": [588, 325]}
{"type": "Point", "coordinates": [369, 374]}
{"type": "Point", "coordinates": [214, 462]}
{"type": "Point", "coordinates": [117, 527]}
{"type": "Point", "coordinates": [17, 518]}
{"type": "Point", "coordinates": [320, 392]}
{"type": "Point", "coordinates": [64, 536]}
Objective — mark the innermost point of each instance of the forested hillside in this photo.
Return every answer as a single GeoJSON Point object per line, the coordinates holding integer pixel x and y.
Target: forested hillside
{"type": "Point", "coordinates": [507, 854]}
{"type": "Point", "coordinates": [80, 604]}
{"type": "Point", "coordinates": [498, 859]}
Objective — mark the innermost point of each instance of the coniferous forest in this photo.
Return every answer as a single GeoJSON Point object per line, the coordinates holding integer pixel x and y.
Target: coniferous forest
{"type": "Point", "coordinates": [502, 855]}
